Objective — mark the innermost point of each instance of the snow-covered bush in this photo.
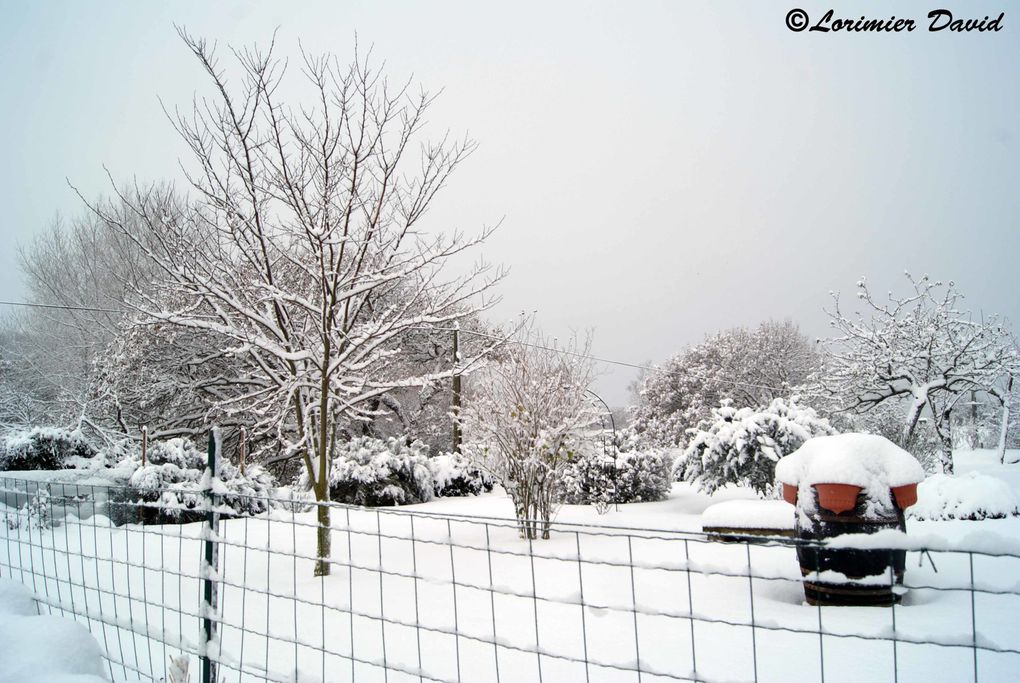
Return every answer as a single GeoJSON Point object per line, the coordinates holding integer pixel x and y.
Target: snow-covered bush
{"type": "Point", "coordinates": [374, 472]}
{"type": "Point", "coordinates": [644, 476]}
{"type": "Point", "coordinates": [742, 446]}
{"type": "Point", "coordinates": [293, 498]}
{"type": "Point", "coordinates": [43, 448]}
{"type": "Point", "coordinates": [169, 487]}
{"type": "Point", "coordinates": [971, 496]}
{"type": "Point", "coordinates": [454, 475]}
{"type": "Point", "coordinates": [35, 514]}
{"type": "Point", "coordinates": [748, 366]}
{"type": "Point", "coordinates": [528, 416]}
{"type": "Point", "coordinates": [589, 480]}
{"type": "Point", "coordinates": [638, 476]}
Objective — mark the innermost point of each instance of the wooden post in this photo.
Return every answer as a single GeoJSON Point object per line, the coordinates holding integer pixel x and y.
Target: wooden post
{"type": "Point", "coordinates": [145, 443]}
{"type": "Point", "coordinates": [243, 453]}
{"type": "Point", "coordinates": [456, 389]}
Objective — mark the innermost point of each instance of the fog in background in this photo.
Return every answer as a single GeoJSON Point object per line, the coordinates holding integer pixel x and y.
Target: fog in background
{"type": "Point", "coordinates": [662, 170]}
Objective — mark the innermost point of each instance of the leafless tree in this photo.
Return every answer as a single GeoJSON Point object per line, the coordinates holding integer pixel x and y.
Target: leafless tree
{"type": "Point", "coordinates": [302, 249]}
{"type": "Point", "coordinates": [527, 416]}
{"type": "Point", "coordinates": [920, 348]}
{"type": "Point", "coordinates": [77, 269]}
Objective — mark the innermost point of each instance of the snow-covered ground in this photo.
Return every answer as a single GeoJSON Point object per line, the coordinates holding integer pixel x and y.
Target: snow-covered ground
{"type": "Point", "coordinates": [620, 599]}
{"type": "Point", "coordinates": [43, 648]}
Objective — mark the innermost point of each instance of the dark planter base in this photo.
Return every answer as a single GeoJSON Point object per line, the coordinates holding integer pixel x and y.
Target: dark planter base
{"type": "Point", "coordinates": [851, 563]}
{"type": "Point", "coordinates": [850, 594]}
{"type": "Point", "coordinates": [738, 535]}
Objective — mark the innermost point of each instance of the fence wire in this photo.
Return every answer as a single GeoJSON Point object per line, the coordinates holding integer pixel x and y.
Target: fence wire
{"type": "Point", "coordinates": [415, 596]}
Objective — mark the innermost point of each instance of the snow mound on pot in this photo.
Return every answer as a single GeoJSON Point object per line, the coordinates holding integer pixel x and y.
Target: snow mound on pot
{"type": "Point", "coordinates": [866, 460]}
{"type": "Point", "coordinates": [869, 461]}
{"type": "Point", "coordinates": [972, 496]}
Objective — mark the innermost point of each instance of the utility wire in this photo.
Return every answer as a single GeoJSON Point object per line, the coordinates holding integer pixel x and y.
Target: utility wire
{"type": "Point", "coordinates": [61, 307]}
{"type": "Point", "coordinates": [91, 309]}
{"type": "Point", "coordinates": [609, 361]}
{"type": "Point", "coordinates": [565, 352]}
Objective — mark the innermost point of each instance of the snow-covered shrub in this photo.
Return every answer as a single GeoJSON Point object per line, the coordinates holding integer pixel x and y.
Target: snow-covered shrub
{"type": "Point", "coordinates": [43, 448]}
{"type": "Point", "coordinates": [638, 476]}
{"type": "Point", "coordinates": [742, 446]}
{"type": "Point", "coordinates": [589, 480]}
{"type": "Point", "coordinates": [971, 496]}
{"type": "Point", "coordinates": [454, 475]}
{"type": "Point", "coordinates": [528, 416]}
{"type": "Point", "coordinates": [739, 363]}
{"type": "Point", "coordinates": [644, 476]}
{"type": "Point", "coordinates": [374, 472]}
{"type": "Point", "coordinates": [169, 487]}
{"type": "Point", "coordinates": [293, 498]}
{"type": "Point", "coordinates": [35, 514]}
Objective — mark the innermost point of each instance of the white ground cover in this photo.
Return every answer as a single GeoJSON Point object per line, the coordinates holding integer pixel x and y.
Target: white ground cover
{"type": "Point", "coordinates": [620, 599]}
{"type": "Point", "coordinates": [43, 648]}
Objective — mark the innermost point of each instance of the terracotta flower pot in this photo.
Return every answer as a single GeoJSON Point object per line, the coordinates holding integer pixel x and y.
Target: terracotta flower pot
{"type": "Point", "coordinates": [790, 494]}
{"type": "Point", "coordinates": [837, 497]}
{"type": "Point", "coordinates": [905, 495]}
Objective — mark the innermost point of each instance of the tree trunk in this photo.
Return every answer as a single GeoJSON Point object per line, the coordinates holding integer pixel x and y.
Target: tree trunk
{"type": "Point", "coordinates": [946, 453]}
{"type": "Point", "coordinates": [1004, 425]}
{"type": "Point", "coordinates": [911, 423]}
{"type": "Point", "coordinates": [322, 537]}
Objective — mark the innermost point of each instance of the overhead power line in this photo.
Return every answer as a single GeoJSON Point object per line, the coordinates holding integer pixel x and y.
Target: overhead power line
{"type": "Point", "coordinates": [565, 352]}
{"type": "Point", "coordinates": [62, 307]}
{"type": "Point", "coordinates": [610, 361]}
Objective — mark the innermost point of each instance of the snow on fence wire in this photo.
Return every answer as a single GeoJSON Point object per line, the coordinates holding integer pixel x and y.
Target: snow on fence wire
{"type": "Point", "coordinates": [416, 596]}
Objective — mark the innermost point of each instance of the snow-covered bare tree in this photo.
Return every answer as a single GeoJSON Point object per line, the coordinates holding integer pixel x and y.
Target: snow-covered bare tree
{"type": "Point", "coordinates": [920, 348]}
{"type": "Point", "coordinates": [302, 248]}
{"type": "Point", "coordinates": [167, 377]}
{"type": "Point", "coordinates": [423, 413]}
{"type": "Point", "coordinates": [748, 367]}
{"type": "Point", "coordinates": [529, 415]}
{"type": "Point", "coordinates": [17, 401]}
{"type": "Point", "coordinates": [77, 270]}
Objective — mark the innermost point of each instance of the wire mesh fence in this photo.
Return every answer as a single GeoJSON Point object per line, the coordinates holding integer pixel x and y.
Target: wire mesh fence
{"type": "Point", "coordinates": [414, 596]}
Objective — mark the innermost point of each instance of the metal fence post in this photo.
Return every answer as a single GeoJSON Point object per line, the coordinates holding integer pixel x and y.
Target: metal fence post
{"type": "Point", "coordinates": [210, 560]}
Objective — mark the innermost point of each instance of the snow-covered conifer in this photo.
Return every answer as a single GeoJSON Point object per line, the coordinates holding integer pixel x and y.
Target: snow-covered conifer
{"type": "Point", "coordinates": [742, 445]}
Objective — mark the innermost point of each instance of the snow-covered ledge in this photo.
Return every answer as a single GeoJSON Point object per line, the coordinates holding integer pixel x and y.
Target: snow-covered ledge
{"type": "Point", "coordinates": [749, 518]}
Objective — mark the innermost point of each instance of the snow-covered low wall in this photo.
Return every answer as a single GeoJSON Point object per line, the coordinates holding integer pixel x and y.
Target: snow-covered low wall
{"type": "Point", "coordinates": [777, 515]}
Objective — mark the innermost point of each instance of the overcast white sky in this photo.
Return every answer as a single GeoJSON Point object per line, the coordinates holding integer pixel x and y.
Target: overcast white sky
{"type": "Point", "coordinates": [663, 169]}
